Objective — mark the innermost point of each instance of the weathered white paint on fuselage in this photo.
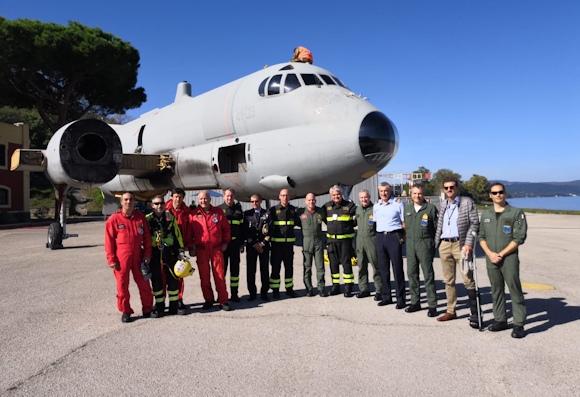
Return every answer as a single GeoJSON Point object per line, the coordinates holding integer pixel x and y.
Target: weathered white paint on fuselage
{"type": "Point", "coordinates": [309, 134]}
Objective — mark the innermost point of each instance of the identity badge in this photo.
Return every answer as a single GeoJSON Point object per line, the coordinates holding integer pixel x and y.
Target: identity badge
{"type": "Point", "coordinates": [507, 229]}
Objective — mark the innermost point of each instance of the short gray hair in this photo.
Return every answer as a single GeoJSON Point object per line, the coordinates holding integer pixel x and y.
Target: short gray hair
{"type": "Point", "coordinates": [335, 188]}
{"type": "Point", "coordinates": [386, 184]}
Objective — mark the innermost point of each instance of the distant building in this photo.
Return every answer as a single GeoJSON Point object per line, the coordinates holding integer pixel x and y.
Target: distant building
{"type": "Point", "coordinates": [14, 186]}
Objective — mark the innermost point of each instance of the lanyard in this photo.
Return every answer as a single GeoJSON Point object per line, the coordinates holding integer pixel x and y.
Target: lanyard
{"type": "Point", "coordinates": [450, 215]}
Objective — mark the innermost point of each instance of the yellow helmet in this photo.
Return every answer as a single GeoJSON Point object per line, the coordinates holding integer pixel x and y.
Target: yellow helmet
{"type": "Point", "coordinates": [182, 268]}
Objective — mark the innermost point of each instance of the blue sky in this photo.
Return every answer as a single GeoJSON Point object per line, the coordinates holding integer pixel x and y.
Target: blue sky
{"type": "Point", "coordinates": [489, 88]}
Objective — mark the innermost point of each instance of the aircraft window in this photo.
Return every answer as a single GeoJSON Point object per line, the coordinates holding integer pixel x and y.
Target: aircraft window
{"type": "Point", "coordinates": [287, 67]}
{"type": "Point", "coordinates": [274, 85]}
{"type": "Point", "coordinates": [338, 81]}
{"type": "Point", "coordinates": [262, 87]}
{"type": "Point", "coordinates": [291, 82]}
{"type": "Point", "coordinates": [327, 79]}
{"type": "Point", "coordinates": [311, 79]}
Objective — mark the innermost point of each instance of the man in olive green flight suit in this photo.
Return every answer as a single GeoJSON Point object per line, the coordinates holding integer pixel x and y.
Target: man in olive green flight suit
{"type": "Point", "coordinates": [366, 250]}
{"type": "Point", "coordinates": [312, 244]}
{"type": "Point", "coordinates": [503, 229]}
{"type": "Point", "coordinates": [421, 224]}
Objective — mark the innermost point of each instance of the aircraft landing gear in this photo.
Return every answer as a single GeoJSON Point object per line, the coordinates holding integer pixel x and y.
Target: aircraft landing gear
{"type": "Point", "coordinates": [54, 237]}
{"type": "Point", "coordinates": [57, 230]}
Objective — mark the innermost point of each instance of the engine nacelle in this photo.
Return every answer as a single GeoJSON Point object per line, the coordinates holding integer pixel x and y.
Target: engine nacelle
{"type": "Point", "coordinates": [84, 152]}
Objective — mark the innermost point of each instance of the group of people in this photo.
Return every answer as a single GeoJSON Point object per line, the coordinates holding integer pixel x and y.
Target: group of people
{"type": "Point", "coordinates": [372, 233]}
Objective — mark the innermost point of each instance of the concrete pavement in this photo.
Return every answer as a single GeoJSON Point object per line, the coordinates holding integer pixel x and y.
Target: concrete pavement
{"type": "Point", "coordinates": [61, 335]}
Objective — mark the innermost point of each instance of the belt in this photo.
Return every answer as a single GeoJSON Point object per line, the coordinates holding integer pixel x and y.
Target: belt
{"type": "Point", "coordinates": [391, 232]}
{"type": "Point", "coordinates": [451, 240]}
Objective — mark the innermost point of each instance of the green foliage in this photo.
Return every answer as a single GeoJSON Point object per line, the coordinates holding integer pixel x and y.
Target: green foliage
{"type": "Point", "coordinates": [440, 176]}
{"type": "Point", "coordinates": [96, 200]}
{"type": "Point", "coordinates": [66, 71]}
{"type": "Point", "coordinates": [478, 188]}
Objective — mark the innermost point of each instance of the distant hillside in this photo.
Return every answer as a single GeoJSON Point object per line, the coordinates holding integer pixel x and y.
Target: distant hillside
{"type": "Point", "coordinates": [538, 189]}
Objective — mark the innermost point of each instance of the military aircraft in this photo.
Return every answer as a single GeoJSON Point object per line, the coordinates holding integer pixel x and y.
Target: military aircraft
{"type": "Point", "coordinates": [291, 125]}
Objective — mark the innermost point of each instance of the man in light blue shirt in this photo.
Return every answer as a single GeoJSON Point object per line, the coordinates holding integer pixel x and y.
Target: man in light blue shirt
{"type": "Point", "coordinates": [450, 230]}
{"type": "Point", "coordinates": [389, 216]}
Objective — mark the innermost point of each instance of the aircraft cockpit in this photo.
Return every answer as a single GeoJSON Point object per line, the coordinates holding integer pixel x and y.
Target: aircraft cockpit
{"type": "Point", "coordinates": [289, 81]}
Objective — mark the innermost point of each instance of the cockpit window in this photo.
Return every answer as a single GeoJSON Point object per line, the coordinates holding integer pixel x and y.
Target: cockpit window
{"type": "Point", "coordinates": [287, 67]}
{"type": "Point", "coordinates": [274, 85]}
{"type": "Point", "coordinates": [262, 87]}
{"type": "Point", "coordinates": [327, 79]}
{"type": "Point", "coordinates": [311, 79]}
{"type": "Point", "coordinates": [338, 81]}
{"type": "Point", "coordinates": [291, 83]}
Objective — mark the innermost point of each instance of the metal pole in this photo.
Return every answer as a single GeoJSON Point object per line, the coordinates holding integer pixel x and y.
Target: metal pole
{"type": "Point", "coordinates": [477, 297]}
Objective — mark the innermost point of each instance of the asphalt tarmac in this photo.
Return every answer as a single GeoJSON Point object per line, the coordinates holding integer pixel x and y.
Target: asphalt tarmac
{"type": "Point", "coordinates": [60, 333]}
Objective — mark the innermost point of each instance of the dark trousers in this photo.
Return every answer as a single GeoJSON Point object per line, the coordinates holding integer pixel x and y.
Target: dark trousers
{"type": "Point", "coordinates": [282, 252]}
{"type": "Point", "coordinates": [252, 257]}
{"type": "Point", "coordinates": [389, 251]}
{"type": "Point", "coordinates": [162, 280]}
{"type": "Point", "coordinates": [340, 252]}
{"type": "Point", "coordinates": [232, 255]}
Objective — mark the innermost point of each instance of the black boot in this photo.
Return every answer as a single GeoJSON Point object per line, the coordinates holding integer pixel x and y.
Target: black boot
{"type": "Point", "coordinates": [348, 291]}
{"type": "Point", "coordinates": [172, 308]}
{"type": "Point", "coordinates": [474, 319]}
{"type": "Point", "coordinates": [335, 289]}
{"type": "Point", "coordinates": [234, 297]}
{"type": "Point", "coordinates": [290, 293]}
{"type": "Point", "coordinates": [181, 308]}
{"type": "Point", "coordinates": [159, 310]}
{"type": "Point", "coordinates": [275, 294]}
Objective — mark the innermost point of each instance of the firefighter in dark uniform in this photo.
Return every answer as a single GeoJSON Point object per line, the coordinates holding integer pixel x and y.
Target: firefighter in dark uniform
{"type": "Point", "coordinates": [257, 247]}
{"type": "Point", "coordinates": [235, 217]}
{"type": "Point", "coordinates": [339, 215]}
{"type": "Point", "coordinates": [366, 250]}
{"type": "Point", "coordinates": [420, 226]}
{"type": "Point", "coordinates": [281, 221]}
{"type": "Point", "coordinates": [167, 243]}
{"type": "Point", "coordinates": [502, 230]}
{"type": "Point", "coordinates": [312, 245]}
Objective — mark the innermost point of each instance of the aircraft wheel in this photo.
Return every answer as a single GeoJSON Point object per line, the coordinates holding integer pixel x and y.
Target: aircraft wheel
{"type": "Point", "coordinates": [54, 237]}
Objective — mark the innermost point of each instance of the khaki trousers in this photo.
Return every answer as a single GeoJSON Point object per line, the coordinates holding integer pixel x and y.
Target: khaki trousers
{"type": "Point", "coordinates": [450, 254]}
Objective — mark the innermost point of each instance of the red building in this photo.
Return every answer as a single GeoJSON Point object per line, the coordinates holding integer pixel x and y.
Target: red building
{"type": "Point", "coordinates": [14, 186]}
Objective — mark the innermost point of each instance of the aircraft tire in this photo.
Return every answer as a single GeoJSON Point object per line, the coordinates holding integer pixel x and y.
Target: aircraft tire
{"type": "Point", "coordinates": [54, 236]}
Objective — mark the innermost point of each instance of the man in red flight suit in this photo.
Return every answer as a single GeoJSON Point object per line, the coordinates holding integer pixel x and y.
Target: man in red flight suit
{"type": "Point", "coordinates": [212, 234]}
{"type": "Point", "coordinates": [127, 245]}
{"type": "Point", "coordinates": [182, 213]}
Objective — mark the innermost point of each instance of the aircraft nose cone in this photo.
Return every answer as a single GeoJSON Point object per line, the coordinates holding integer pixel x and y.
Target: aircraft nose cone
{"type": "Point", "coordinates": [377, 139]}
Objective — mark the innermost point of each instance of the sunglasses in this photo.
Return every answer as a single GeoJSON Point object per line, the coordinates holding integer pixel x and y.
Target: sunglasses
{"type": "Point", "coordinates": [449, 187]}
{"type": "Point", "coordinates": [161, 203]}
{"type": "Point", "coordinates": [498, 192]}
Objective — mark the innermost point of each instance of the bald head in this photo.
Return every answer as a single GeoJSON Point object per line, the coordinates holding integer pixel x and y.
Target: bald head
{"type": "Point", "coordinates": [203, 199]}
{"type": "Point", "coordinates": [310, 201]}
